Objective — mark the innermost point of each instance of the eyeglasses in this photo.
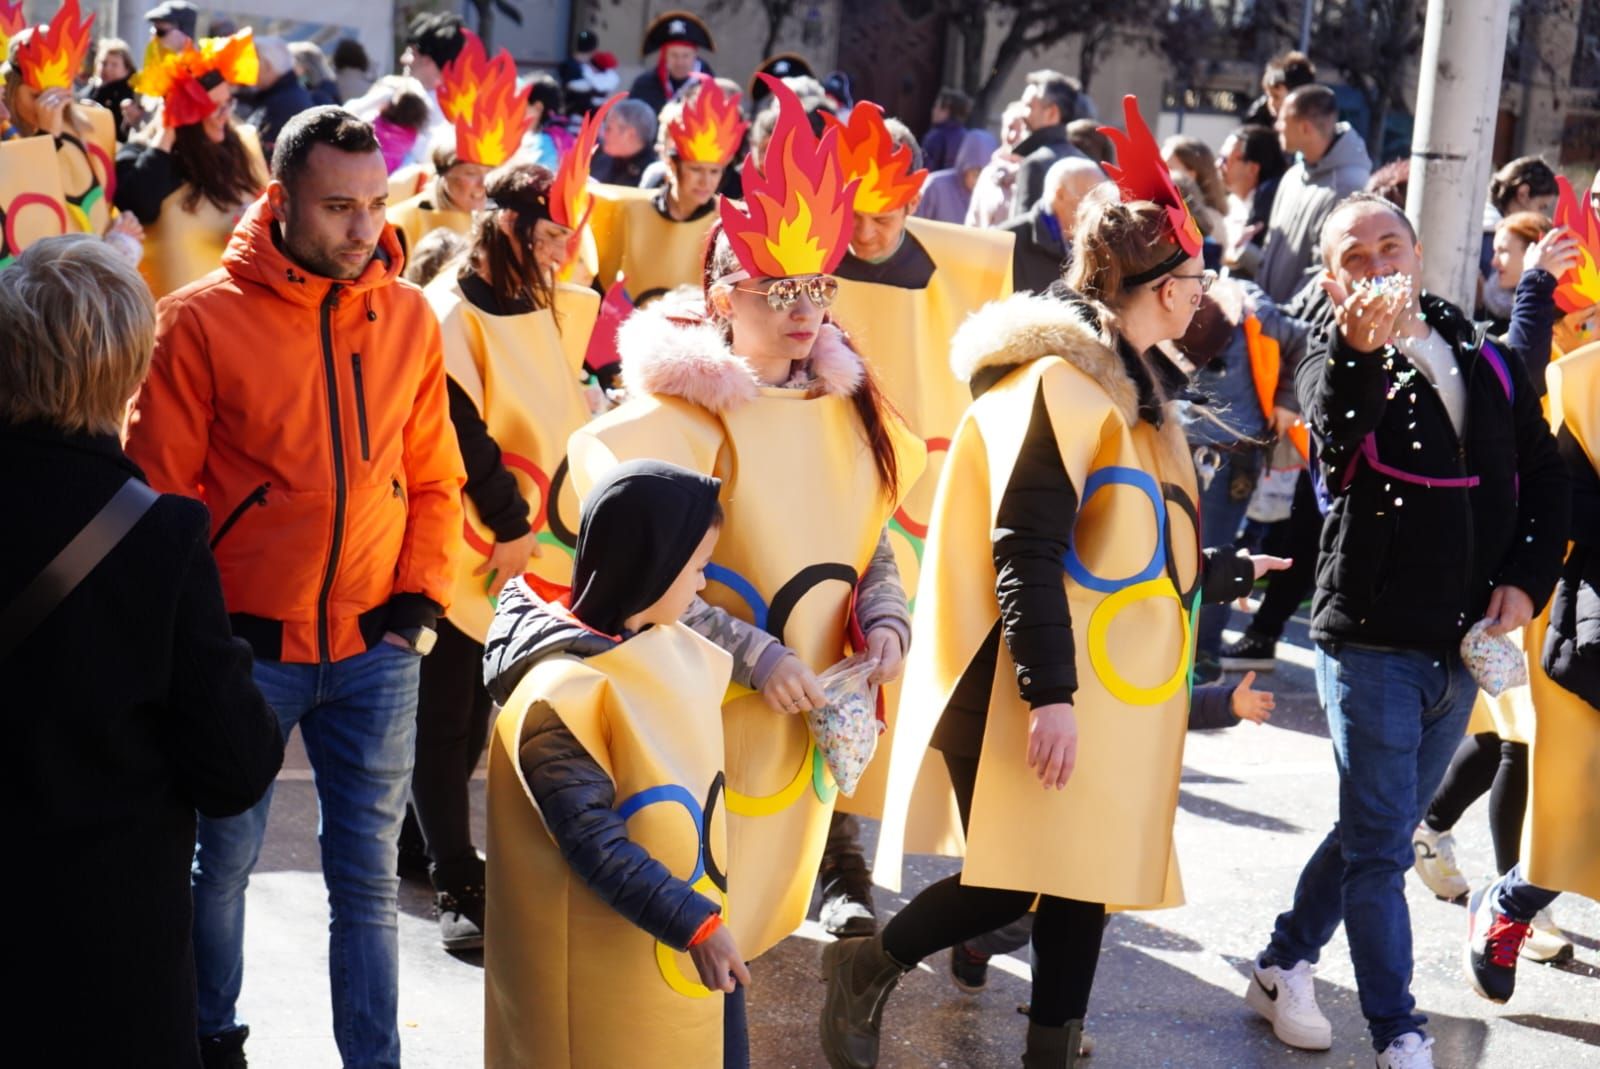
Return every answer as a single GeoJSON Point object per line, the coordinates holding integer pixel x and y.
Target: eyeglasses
{"type": "Point", "coordinates": [1205, 278]}
{"type": "Point", "coordinates": [783, 294]}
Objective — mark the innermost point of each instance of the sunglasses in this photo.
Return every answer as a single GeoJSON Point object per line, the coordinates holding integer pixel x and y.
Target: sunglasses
{"type": "Point", "coordinates": [783, 294]}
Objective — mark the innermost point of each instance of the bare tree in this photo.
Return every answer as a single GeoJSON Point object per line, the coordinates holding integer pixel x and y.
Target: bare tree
{"type": "Point", "coordinates": [1372, 43]}
{"type": "Point", "coordinates": [487, 10]}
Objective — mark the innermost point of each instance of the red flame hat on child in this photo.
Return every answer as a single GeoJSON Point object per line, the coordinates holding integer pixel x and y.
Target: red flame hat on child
{"type": "Point", "coordinates": [53, 54]}
{"type": "Point", "coordinates": [709, 127]}
{"type": "Point", "coordinates": [1141, 174]}
{"type": "Point", "coordinates": [798, 208]}
{"type": "Point", "coordinates": [1579, 288]}
{"type": "Point", "coordinates": [480, 97]}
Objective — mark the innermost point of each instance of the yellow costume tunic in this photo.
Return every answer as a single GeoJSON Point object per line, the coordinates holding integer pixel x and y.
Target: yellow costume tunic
{"type": "Point", "coordinates": [183, 244]}
{"type": "Point", "coordinates": [525, 375]}
{"type": "Point", "coordinates": [31, 202]}
{"type": "Point", "coordinates": [567, 981]}
{"type": "Point", "coordinates": [652, 252]}
{"type": "Point", "coordinates": [1561, 839]}
{"type": "Point", "coordinates": [799, 534]}
{"type": "Point", "coordinates": [417, 217]}
{"type": "Point", "coordinates": [87, 161]}
{"type": "Point", "coordinates": [903, 321]}
{"type": "Point", "coordinates": [1131, 579]}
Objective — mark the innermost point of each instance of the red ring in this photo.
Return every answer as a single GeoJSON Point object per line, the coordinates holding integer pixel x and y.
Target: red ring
{"type": "Point", "coordinates": [913, 528]}
{"type": "Point", "coordinates": [23, 200]}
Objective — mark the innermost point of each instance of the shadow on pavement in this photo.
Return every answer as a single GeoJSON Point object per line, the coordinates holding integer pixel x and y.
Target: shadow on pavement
{"type": "Point", "coordinates": [1212, 809]}
{"type": "Point", "coordinates": [1583, 1033]}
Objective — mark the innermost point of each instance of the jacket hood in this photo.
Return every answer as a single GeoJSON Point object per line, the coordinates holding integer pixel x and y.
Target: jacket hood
{"type": "Point", "coordinates": [1026, 326]}
{"type": "Point", "coordinates": [976, 148]}
{"type": "Point", "coordinates": [672, 350]}
{"type": "Point", "coordinates": [526, 630]}
{"type": "Point", "coordinates": [254, 255]}
{"type": "Point", "coordinates": [1347, 151]}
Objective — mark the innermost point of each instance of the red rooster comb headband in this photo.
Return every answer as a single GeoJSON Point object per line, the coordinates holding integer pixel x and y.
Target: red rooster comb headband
{"type": "Point", "coordinates": [797, 212]}
{"type": "Point", "coordinates": [53, 54]}
{"type": "Point", "coordinates": [867, 152]}
{"type": "Point", "coordinates": [1143, 175]}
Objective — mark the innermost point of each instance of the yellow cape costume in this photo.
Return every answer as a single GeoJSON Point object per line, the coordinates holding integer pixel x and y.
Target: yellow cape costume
{"type": "Point", "coordinates": [567, 981]}
{"type": "Point", "coordinates": [88, 168]}
{"type": "Point", "coordinates": [30, 196]}
{"type": "Point", "coordinates": [799, 534]}
{"type": "Point", "coordinates": [418, 217]}
{"type": "Point", "coordinates": [1131, 578]}
{"type": "Point", "coordinates": [183, 245]}
{"type": "Point", "coordinates": [653, 254]}
{"type": "Point", "coordinates": [524, 373]}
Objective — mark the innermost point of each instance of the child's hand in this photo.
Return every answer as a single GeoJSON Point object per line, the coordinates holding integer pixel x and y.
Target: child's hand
{"type": "Point", "coordinates": [1253, 705]}
{"type": "Point", "coordinates": [718, 961]}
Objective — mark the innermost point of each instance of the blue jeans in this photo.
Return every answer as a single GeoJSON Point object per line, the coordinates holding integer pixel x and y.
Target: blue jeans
{"type": "Point", "coordinates": [1519, 899]}
{"type": "Point", "coordinates": [1220, 517]}
{"type": "Point", "coordinates": [1395, 717]}
{"type": "Point", "coordinates": [358, 720]}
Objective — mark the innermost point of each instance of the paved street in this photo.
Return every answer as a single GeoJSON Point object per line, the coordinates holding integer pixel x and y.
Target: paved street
{"type": "Point", "coordinates": [1254, 802]}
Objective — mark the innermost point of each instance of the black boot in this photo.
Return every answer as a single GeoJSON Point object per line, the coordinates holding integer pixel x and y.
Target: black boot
{"type": "Point", "coordinates": [1054, 1048]}
{"type": "Point", "coordinates": [225, 1050]}
{"type": "Point", "coordinates": [859, 974]}
{"type": "Point", "coordinates": [459, 900]}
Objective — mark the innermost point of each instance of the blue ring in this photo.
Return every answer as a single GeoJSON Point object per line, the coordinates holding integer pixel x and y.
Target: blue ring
{"type": "Point", "coordinates": [671, 792]}
{"type": "Point", "coordinates": [1146, 484]}
{"type": "Point", "coordinates": [741, 586]}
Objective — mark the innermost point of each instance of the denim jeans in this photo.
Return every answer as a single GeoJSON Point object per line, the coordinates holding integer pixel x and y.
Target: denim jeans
{"type": "Point", "coordinates": [1395, 717]}
{"type": "Point", "coordinates": [1220, 517]}
{"type": "Point", "coordinates": [357, 718]}
{"type": "Point", "coordinates": [1519, 899]}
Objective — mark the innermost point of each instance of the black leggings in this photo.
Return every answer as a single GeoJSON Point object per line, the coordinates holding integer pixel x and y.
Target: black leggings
{"type": "Point", "coordinates": [1295, 537]}
{"type": "Point", "coordinates": [1486, 762]}
{"type": "Point", "coordinates": [452, 728]}
{"type": "Point", "coordinates": [1066, 933]}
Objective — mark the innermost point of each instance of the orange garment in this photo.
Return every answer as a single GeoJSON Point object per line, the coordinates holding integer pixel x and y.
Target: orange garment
{"type": "Point", "coordinates": [311, 417]}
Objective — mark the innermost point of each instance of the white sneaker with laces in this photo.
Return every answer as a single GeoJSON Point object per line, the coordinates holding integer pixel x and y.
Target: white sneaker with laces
{"type": "Point", "coordinates": [1436, 863]}
{"type": "Point", "coordinates": [1288, 998]}
{"type": "Point", "coordinates": [1410, 1051]}
{"type": "Point", "coordinates": [1546, 941]}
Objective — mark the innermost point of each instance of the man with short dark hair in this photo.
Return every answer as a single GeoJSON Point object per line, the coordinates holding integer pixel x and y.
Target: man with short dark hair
{"type": "Point", "coordinates": [1052, 100]}
{"type": "Point", "coordinates": [299, 391]}
{"type": "Point", "coordinates": [1450, 508]}
{"type": "Point", "coordinates": [1251, 164]}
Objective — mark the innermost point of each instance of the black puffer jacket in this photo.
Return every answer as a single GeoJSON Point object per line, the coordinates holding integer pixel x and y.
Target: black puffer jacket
{"type": "Point", "coordinates": [575, 796]}
{"type": "Point", "coordinates": [1572, 644]}
{"type": "Point", "coordinates": [1406, 565]}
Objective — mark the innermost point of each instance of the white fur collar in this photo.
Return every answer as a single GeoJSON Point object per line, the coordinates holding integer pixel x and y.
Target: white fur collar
{"type": "Point", "coordinates": [677, 352]}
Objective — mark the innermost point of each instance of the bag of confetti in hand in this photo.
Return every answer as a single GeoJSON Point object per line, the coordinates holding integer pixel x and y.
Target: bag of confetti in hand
{"type": "Point", "coordinates": [1496, 663]}
{"type": "Point", "coordinates": [846, 729]}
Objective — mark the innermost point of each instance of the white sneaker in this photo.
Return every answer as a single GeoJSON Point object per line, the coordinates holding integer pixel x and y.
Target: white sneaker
{"type": "Point", "coordinates": [1436, 863]}
{"type": "Point", "coordinates": [1288, 998]}
{"type": "Point", "coordinates": [1410, 1051]}
{"type": "Point", "coordinates": [1546, 942]}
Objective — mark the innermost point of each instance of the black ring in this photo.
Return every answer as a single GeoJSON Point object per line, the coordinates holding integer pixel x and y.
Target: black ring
{"type": "Point", "coordinates": [788, 596]}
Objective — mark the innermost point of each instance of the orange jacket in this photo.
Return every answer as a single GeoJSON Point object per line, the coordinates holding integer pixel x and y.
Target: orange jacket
{"type": "Point", "coordinates": [311, 417]}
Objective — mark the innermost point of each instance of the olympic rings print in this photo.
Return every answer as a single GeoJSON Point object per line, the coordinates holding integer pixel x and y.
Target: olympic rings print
{"type": "Point", "coordinates": [544, 514]}
{"type": "Point", "coordinates": [918, 532]}
{"type": "Point", "coordinates": [1100, 654]}
{"type": "Point", "coordinates": [8, 221]}
{"type": "Point", "coordinates": [1145, 484]}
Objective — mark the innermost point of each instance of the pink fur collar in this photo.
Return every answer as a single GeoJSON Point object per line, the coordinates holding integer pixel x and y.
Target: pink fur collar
{"type": "Point", "coordinates": [673, 353]}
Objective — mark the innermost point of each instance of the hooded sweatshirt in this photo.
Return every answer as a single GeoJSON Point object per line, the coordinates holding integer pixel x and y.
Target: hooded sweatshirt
{"type": "Point", "coordinates": [945, 196]}
{"type": "Point", "coordinates": [1306, 196]}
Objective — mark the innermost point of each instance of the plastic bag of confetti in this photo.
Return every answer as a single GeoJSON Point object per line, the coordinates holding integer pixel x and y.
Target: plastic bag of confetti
{"type": "Point", "coordinates": [846, 729]}
{"type": "Point", "coordinates": [1496, 662]}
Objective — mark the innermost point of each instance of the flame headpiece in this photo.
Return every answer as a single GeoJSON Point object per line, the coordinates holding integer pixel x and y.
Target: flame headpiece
{"type": "Point", "coordinates": [52, 55]}
{"type": "Point", "coordinates": [709, 128]}
{"type": "Point", "coordinates": [570, 199]}
{"type": "Point", "coordinates": [797, 212]}
{"type": "Point", "coordinates": [1579, 288]}
{"type": "Point", "coordinates": [1143, 175]}
{"type": "Point", "coordinates": [183, 80]}
{"type": "Point", "coordinates": [11, 24]}
{"type": "Point", "coordinates": [480, 97]}
{"type": "Point", "coordinates": [867, 152]}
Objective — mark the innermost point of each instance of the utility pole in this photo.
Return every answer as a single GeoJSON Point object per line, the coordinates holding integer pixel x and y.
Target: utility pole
{"type": "Point", "coordinates": [1457, 101]}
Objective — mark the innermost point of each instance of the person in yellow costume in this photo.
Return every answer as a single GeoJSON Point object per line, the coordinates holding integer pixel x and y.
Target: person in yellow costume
{"type": "Point", "coordinates": [41, 62]}
{"type": "Point", "coordinates": [1063, 568]}
{"type": "Point", "coordinates": [904, 288]}
{"type": "Point", "coordinates": [514, 340]}
{"type": "Point", "coordinates": [190, 176]}
{"type": "Point", "coordinates": [759, 390]}
{"type": "Point", "coordinates": [656, 240]}
{"type": "Point", "coordinates": [607, 803]}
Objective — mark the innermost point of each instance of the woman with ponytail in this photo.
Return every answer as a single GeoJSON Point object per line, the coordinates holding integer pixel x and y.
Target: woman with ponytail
{"type": "Point", "coordinates": [1060, 574]}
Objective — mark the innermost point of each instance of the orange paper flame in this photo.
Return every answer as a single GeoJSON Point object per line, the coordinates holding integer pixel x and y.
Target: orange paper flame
{"type": "Point", "coordinates": [570, 200]}
{"type": "Point", "coordinates": [11, 24]}
{"type": "Point", "coordinates": [1143, 175]}
{"type": "Point", "coordinates": [867, 152]}
{"type": "Point", "coordinates": [490, 130]}
{"type": "Point", "coordinates": [54, 54]}
{"type": "Point", "coordinates": [461, 78]}
{"type": "Point", "coordinates": [1579, 288]}
{"type": "Point", "coordinates": [797, 212]}
{"type": "Point", "coordinates": [709, 128]}
{"type": "Point", "coordinates": [175, 77]}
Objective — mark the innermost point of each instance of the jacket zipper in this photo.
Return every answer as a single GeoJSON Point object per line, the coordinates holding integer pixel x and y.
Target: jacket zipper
{"type": "Point", "coordinates": [330, 372]}
{"type": "Point", "coordinates": [399, 492]}
{"type": "Point", "coordinates": [258, 496]}
{"type": "Point", "coordinates": [361, 404]}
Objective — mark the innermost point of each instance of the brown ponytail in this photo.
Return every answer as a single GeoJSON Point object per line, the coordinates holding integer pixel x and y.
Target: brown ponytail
{"type": "Point", "coordinates": [513, 274]}
{"type": "Point", "coordinates": [1114, 241]}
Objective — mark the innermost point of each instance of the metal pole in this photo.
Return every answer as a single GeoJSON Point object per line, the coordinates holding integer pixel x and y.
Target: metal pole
{"type": "Point", "coordinates": [1457, 99]}
{"type": "Point", "coordinates": [1305, 25]}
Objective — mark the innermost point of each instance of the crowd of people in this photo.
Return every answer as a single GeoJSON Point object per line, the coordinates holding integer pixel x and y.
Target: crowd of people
{"type": "Point", "coordinates": [458, 410]}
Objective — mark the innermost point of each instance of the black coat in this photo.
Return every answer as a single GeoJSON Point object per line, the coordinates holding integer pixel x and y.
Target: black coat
{"type": "Point", "coordinates": [126, 710]}
{"type": "Point", "coordinates": [273, 107]}
{"type": "Point", "coordinates": [1572, 644]}
{"type": "Point", "coordinates": [1409, 566]}
{"type": "Point", "coordinates": [1038, 256]}
{"type": "Point", "coordinates": [1039, 151]}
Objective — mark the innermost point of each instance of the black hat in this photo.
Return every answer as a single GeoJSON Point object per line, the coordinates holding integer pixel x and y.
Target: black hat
{"type": "Point", "coordinates": [677, 27]}
{"type": "Point", "coordinates": [586, 41]}
{"type": "Point", "coordinates": [180, 14]}
{"type": "Point", "coordinates": [438, 37]}
{"type": "Point", "coordinates": [782, 65]}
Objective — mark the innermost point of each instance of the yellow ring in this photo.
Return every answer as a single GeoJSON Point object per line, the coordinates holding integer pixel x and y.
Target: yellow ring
{"type": "Point", "coordinates": [1100, 656]}
{"type": "Point", "coordinates": [746, 805]}
{"type": "Point", "coordinates": [666, 957]}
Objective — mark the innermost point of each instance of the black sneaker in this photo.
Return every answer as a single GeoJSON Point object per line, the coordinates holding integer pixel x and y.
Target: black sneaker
{"type": "Point", "coordinates": [225, 1050]}
{"type": "Point", "coordinates": [1206, 670]}
{"type": "Point", "coordinates": [968, 968]}
{"type": "Point", "coordinates": [459, 901]}
{"type": "Point", "coordinates": [1252, 653]}
{"type": "Point", "coordinates": [1493, 942]}
{"type": "Point", "coordinates": [847, 901]}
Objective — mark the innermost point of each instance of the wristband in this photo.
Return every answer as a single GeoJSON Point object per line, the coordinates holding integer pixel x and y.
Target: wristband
{"type": "Point", "coordinates": [712, 923]}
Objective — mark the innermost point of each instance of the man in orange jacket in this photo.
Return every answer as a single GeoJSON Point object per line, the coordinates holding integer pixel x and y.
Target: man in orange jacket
{"type": "Point", "coordinates": [299, 391]}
